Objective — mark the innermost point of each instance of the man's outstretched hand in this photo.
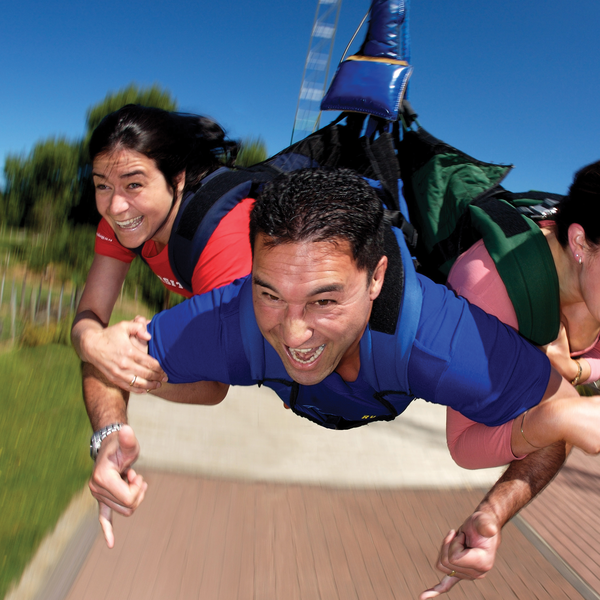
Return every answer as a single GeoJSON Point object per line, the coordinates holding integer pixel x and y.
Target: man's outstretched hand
{"type": "Point", "coordinates": [114, 483]}
{"type": "Point", "coordinates": [468, 553]}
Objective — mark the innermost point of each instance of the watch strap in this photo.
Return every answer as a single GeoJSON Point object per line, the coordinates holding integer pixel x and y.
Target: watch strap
{"type": "Point", "coordinates": [99, 436]}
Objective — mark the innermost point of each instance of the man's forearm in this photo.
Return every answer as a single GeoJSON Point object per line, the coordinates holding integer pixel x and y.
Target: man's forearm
{"type": "Point", "coordinates": [200, 392]}
{"type": "Point", "coordinates": [470, 552]}
{"type": "Point", "coordinates": [105, 403]}
{"type": "Point", "coordinates": [522, 481]}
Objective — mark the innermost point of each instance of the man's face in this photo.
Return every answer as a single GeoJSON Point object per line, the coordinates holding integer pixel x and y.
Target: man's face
{"type": "Point", "coordinates": [312, 305]}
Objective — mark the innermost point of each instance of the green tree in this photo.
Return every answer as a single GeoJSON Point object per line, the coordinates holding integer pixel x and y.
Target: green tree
{"type": "Point", "coordinates": [14, 208]}
{"type": "Point", "coordinates": [42, 188]}
{"type": "Point", "coordinates": [253, 150]}
{"type": "Point", "coordinates": [2, 209]}
{"type": "Point", "coordinates": [132, 94]}
{"type": "Point", "coordinates": [70, 249]}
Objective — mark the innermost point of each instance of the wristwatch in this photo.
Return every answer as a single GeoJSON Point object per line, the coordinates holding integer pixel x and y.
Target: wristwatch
{"type": "Point", "coordinates": [98, 437]}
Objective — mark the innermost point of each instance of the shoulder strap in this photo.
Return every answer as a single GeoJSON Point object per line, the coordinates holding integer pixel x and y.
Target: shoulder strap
{"type": "Point", "coordinates": [204, 210]}
{"type": "Point", "coordinates": [524, 261]}
{"type": "Point", "coordinates": [335, 145]}
{"type": "Point", "coordinates": [455, 200]}
{"type": "Point", "coordinates": [394, 320]}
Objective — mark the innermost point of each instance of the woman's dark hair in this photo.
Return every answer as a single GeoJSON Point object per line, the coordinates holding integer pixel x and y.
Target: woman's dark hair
{"type": "Point", "coordinates": [175, 141]}
{"type": "Point", "coordinates": [581, 206]}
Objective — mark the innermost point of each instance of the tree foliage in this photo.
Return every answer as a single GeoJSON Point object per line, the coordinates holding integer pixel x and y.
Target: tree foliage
{"type": "Point", "coordinates": [71, 248]}
{"type": "Point", "coordinates": [42, 188]}
{"type": "Point", "coordinates": [253, 150]}
{"type": "Point", "coordinates": [132, 94]}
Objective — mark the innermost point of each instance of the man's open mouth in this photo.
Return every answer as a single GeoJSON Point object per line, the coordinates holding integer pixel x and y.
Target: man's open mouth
{"type": "Point", "coordinates": [306, 355]}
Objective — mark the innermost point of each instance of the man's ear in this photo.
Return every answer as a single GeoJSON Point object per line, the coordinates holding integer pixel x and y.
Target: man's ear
{"type": "Point", "coordinates": [378, 276]}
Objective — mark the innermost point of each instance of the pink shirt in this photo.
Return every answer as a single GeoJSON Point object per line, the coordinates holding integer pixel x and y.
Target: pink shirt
{"type": "Point", "coordinates": [475, 277]}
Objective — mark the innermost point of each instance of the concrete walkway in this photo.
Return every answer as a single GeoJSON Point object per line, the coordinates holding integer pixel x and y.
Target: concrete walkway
{"type": "Point", "coordinates": [246, 500]}
{"type": "Point", "coordinates": [251, 436]}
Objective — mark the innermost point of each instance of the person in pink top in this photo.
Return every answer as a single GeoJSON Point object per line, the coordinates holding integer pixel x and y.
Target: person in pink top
{"type": "Point", "coordinates": [144, 162]}
{"type": "Point", "coordinates": [574, 240]}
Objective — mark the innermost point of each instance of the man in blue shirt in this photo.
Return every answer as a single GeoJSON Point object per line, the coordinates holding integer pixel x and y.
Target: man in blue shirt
{"type": "Point", "coordinates": [337, 322]}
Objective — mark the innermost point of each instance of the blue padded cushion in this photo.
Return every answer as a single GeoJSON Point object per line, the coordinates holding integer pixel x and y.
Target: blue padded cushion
{"type": "Point", "coordinates": [374, 88]}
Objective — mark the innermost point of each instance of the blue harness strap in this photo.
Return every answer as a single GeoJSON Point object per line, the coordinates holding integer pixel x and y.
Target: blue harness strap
{"type": "Point", "coordinates": [399, 341]}
{"type": "Point", "coordinates": [332, 146]}
{"type": "Point", "coordinates": [201, 213]}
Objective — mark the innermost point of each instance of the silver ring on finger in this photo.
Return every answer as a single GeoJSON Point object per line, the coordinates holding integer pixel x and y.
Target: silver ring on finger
{"type": "Point", "coordinates": [133, 381]}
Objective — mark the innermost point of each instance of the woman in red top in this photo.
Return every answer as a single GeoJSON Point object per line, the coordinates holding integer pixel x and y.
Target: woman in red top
{"type": "Point", "coordinates": [144, 161]}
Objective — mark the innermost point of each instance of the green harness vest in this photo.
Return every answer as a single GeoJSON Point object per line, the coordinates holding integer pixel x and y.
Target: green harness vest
{"type": "Point", "coordinates": [455, 200]}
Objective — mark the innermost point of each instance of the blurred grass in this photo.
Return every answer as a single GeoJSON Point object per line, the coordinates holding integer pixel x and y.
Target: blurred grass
{"type": "Point", "coordinates": [44, 429]}
{"type": "Point", "coordinates": [44, 441]}
{"type": "Point", "coordinates": [589, 389]}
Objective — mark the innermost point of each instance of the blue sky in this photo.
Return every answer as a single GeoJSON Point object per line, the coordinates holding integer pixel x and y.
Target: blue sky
{"type": "Point", "coordinates": [509, 81]}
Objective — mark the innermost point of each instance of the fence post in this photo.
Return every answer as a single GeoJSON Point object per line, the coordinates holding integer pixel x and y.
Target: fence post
{"type": "Point", "coordinates": [33, 304]}
{"type": "Point", "coordinates": [22, 308]}
{"type": "Point", "coordinates": [48, 306]}
{"type": "Point", "coordinates": [78, 294]}
{"type": "Point", "coordinates": [13, 311]}
{"type": "Point", "coordinates": [39, 296]}
{"type": "Point", "coordinates": [60, 301]}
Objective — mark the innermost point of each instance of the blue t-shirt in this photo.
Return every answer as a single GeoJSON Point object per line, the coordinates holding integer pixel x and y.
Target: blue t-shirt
{"type": "Point", "coordinates": [460, 357]}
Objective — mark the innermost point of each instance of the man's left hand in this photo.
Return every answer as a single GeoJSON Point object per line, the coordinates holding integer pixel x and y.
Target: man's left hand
{"type": "Point", "coordinates": [468, 553]}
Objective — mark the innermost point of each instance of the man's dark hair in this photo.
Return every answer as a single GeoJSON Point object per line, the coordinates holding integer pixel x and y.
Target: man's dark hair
{"type": "Point", "coordinates": [316, 205]}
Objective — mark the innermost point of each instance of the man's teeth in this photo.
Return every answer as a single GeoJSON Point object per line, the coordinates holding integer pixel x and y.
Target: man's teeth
{"type": "Point", "coordinates": [306, 355]}
{"type": "Point", "coordinates": [130, 223]}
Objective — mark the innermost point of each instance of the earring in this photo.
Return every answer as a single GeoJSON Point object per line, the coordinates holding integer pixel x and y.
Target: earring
{"type": "Point", "coordinates": [580, 260]}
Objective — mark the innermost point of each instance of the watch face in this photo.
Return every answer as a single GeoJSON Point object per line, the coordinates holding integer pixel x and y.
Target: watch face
{"type": "Point", "coordinates": [95, 444]}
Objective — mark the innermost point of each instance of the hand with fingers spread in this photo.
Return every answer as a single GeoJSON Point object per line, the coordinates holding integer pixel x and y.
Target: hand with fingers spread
{"type": "Point", "coordinates": [468, 553]}
{"type": "Point", "coordinates": [124, 363]}
{"type": "Point", "coordinates": [114, 483]}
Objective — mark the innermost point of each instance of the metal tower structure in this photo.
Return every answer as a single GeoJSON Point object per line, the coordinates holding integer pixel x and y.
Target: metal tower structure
{"type": "Point", "coordinates": [316, 68]}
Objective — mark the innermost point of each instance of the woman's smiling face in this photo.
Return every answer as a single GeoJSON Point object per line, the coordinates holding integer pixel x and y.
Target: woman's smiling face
{"type": "Point", "coordinates": [134, 197]}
